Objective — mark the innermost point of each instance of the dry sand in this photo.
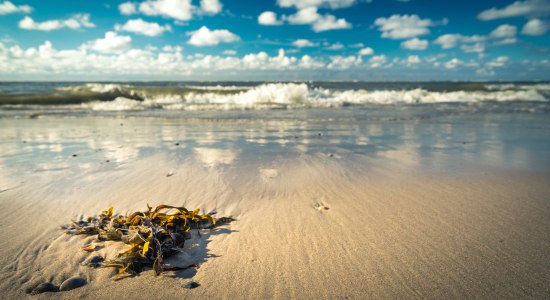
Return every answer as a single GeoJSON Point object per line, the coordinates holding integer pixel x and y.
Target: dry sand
{"type": "Point", "coordinates": [390, 230]}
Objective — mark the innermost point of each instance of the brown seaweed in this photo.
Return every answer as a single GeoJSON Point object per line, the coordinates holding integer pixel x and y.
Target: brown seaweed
{"type": "Point", "coordinates": [152, 235]}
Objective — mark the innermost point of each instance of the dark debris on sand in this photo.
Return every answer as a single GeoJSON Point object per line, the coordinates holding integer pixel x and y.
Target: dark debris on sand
{"type": "Point", "coordinates": [153, 235]}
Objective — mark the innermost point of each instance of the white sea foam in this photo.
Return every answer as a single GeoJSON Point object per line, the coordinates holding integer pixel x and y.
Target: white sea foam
{"type": "Point", "coordinates": [119, 104]}
{"type": "Point", "coordinates": [300, 95]}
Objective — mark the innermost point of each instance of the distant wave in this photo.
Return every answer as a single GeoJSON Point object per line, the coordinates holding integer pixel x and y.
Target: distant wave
{"type": "Point", "coordinates": [125, 97]}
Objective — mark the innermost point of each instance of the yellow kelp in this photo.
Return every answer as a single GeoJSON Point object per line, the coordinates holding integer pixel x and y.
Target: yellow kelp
{"type": "Point", "coordinates": [152, 235]}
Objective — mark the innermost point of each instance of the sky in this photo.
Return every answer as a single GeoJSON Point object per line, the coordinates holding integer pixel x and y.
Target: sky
{"type": "Point", "coordinates": [371, 40]}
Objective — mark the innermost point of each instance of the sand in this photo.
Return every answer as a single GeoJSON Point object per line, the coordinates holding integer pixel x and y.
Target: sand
{"type": "Point", "coordinates": [394, 226]}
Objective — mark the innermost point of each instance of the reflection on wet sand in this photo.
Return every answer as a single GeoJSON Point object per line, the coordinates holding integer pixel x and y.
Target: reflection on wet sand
{"type": "Point", "coordinates": [88, 143]}
{"type": "Point", "coordinates": [212, 157]}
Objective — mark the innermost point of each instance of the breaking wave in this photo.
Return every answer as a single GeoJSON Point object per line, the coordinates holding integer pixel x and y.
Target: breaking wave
{"type": "Point", "coordinates": [125, 97]}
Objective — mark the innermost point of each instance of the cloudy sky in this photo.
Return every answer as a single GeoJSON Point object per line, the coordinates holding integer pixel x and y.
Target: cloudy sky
{"type": "Point", "coordinates": [275, 40]}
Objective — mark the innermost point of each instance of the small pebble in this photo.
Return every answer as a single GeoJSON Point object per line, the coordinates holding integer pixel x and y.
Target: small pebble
{"type": "Point", "coordinates": [93, 262]}
{"type": "Point", "coordinates": [72, 283]}
{"type": "Point", "coordinates": [45, 287]}
{"type": "Point", "coordinates": [191, 285]}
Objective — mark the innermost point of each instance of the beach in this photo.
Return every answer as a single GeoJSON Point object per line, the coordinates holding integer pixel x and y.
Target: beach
{"type": "Point", "coordinates": [329, 202]}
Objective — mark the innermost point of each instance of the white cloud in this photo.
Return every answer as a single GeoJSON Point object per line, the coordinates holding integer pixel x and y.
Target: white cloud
{"type": "Point", "coordinates": [302, 43]}
{"type": "Point", "coordinates": [211, 7]}
{"type": "Point", "coordinates": [344, 62]}
{"type": "Point", "coordinates": [415, 44]}
{"type": "Point", "coordinates": [410, 61]}
{"type": "Point", "coordinates": [9, 8]}
{"type": "Point", "coordinates": [176, 9]}
{"type": "Point", "coordinates": [112, 42]}
{"type": "Point", "coordinates": [404, 26]}
{"type": "Point", "coordinates": [527, 8]}
{"type": "Point", "coordinates": [306, 15]}
{"type": "Point", "coordinates": [504, 31]}
{"type": "Point", "coordinates": [180, 10]}
{"type": "Point", "coordinates": [366, 51]}
{"type": "Point", "coordinates": [330, 22]}
{"type": "Point", "coordinates": [448, 41]}
{"type": "Point", "coordinates": [357, 45]}
{"type": "Point", "coordinates": [309, 15]}
{"type": "Point", "coordinates": [506, 41]}
{"type": "Point", "coordinates": [127, 8]}
{"type": "Point", "coordinates": [269, 18]}
{"type": "Point", "coordinates": [230, 52]}
{"type": "Point", "coordinates": [139, 26]}
{"type": "Point", "coordinates": [535, 27]}
{"type": "Point", "coordinates": [333, 4]}
{"type": "Point", "coordinates": [474, 48]}
{"type": "Point", "coordinates": [413, 60]}
{"type": "Point", "coordinates": [75, 22]}
{"type": "Point", "coordinates": [207, 37]}
{"type": "Point", "coordinates": [377, 61]}
{"type": "Point", "coordinates": [499, 62]}
{"type": "Point", "coordinates": [336, 46]}
{"type": "Point", "coordinates": [453, 63]}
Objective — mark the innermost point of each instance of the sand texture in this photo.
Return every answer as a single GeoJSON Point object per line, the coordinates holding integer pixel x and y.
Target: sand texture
{"type": "Point", "coordinates": [314, 219]}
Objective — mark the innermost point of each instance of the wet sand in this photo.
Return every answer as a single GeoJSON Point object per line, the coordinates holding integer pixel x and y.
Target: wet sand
{"type": "Point", "coordinates": [442, 208]}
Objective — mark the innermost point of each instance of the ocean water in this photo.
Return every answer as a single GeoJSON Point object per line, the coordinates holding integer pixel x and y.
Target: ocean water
{"type": "Point", "coordinates": [366, 99]}
{"type": "Point", "coordinates": [441, 126]}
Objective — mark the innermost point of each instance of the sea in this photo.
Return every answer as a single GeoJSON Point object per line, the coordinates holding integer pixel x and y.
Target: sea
{"type": "Point", "coordinates": [372, 100]}
{"type": "Point", "coordinates": [423, 125]}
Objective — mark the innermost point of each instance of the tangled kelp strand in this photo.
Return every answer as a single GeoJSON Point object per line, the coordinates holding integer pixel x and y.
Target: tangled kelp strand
{"type": "Point", "coordinates": [153, 235]}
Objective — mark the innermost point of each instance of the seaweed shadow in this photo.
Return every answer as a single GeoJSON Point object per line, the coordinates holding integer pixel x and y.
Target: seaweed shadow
{"type": "Point", "coordinates": [195, 252]}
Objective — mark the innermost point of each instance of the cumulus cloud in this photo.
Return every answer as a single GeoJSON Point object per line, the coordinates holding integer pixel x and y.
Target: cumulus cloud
{"type": "Point", "coordinates": [498, 62]}
{"type": "Point", "coordinates": [453, 63]}
{"type": "Point", "coordinates": [366, 51]}
{"type": "Point", "coordinates": [181, 10]}
{"type": "Point", "coordinates": [335, 46]}
{"type": "Point", "coordinates": [357, 45]}
{"type": "Point", "coordinates": [230, 52]}
{"type": "Point", "coordinates": [330, 22]}
{"type": "Point", "coordinates": [506, 41]}
{"type": "Point", "coordinates": [527, 8]}
{"type": "Point", "coordinates": [535, 27]}
{"type": "Point", "coordinates": [473, 48]}
{"type": "Point", "coordinates": [112, 42]}
{"type": "Point", "coordinates": [318, 22]}
{"type": "Point", "coordinates": [404, 26]}
{"type": "Point", "coordinates": [211, 7]}
{"type": "Point", "coordinates": [269, 18]}
{"type": "Point", "coordinates": [504, 31]}
{"type": "Point", "coordinates": [344, 62]}
{"type": "Point", "coordinates": [142, 27]}
{"type": "Point", "coordinates": [415, 44]}
{"type": "Point", "coordinates": [7, 8]}
{"type": "Point", "coordinates": [332, 4]}
{"type": "Point", "coordinates": [448, 41]}
{"type": "Point", "coordinates": [377, 61]}
{"type": "Point", "coordinates": [413, 60]}
{"type": "Point", "coordinates": [175, 9]}
{"type": "Point", "coordinates": [207, 37]}
{"type": "Point", "coordinates": [127, 8]}
{"type": "Point", "coordinates": [302, 43]}
{"type": "Point", "coordinates": [75, 22]}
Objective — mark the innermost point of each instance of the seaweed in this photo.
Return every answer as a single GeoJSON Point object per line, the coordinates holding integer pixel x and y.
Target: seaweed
{"type": "Point", "coordinates": [152, 235]}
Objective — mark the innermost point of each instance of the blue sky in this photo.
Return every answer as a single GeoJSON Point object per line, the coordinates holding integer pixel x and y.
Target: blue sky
{"type": "Point", "coordinates": [274, 40]}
